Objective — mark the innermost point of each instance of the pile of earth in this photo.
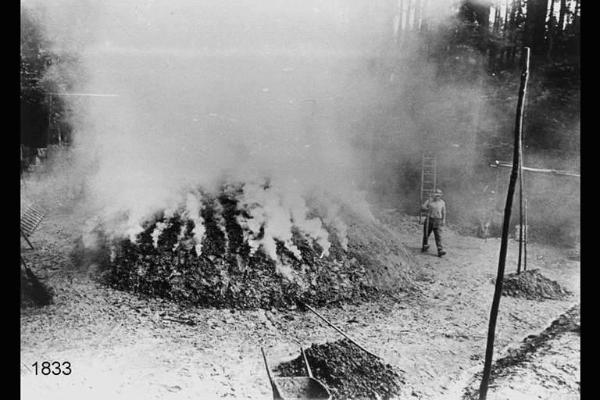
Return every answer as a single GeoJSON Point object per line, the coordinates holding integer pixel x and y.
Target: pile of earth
{"type": "Point", "coordinates": [348, 372]}
{"type": "Point", "coordinates": [570, 321]}
{"type": "Point", "coordinates": [33, 291]}
{"type": "Point", "coordinates": [227, 274]}
{"type": "Point", "coordinates": [532, 285]}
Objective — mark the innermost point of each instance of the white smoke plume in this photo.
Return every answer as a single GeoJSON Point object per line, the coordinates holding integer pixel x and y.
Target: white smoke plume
{"type": "Point", "coordinates": [219, 217]}
{"type": "Point", "coordinates": [193, 209]}
{"type": "Point", "coordinates": [270, 219]}
{"type": "Point", "coordinates": [333, 219]}
{"type": "Point", "coordinates": [195, 93]}
{"type": "Point", "coordinates": [160, 227]}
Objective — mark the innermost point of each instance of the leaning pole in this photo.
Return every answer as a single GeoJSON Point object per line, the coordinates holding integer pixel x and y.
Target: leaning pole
{"type": "Point", "coordinates": [489, 351]}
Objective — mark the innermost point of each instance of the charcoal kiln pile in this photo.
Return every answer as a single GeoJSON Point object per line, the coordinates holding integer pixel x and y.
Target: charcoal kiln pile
{"type": "Point", "coordinates": [348, 372]}
{"type": "Point", "coordinates": [532, 285]}
{"type": "Point", "coordinates": [226, 255]}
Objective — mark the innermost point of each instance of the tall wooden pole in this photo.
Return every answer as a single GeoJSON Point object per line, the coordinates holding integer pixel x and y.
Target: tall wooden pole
{"type": "Point", "coordinates": [525, 239]}
{"type": "Point", "coordinates": [489, 351]}
{"type": "Point", "coordinates": [520, 214]}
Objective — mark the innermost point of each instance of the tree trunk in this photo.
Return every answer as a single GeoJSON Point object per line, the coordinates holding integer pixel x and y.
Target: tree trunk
{"type": "Point", "coordinates": [506, 19]}
{"type": "Point", "coordinates": [475, 11]}
{"type": "Point", "coordinates": [409, 7]}
{"type": "Point", "coordinates": [497, 17]}
{"type": "Point", "coordinates": [535, 26]}
{"type": "Point", "coordinates": [577, 17]}
{"type": "Point", "coordinates": [561, 16]}
{"type": "Point", "coordinates": [484, 16]}
{"type": "Point", "coordinates": [424, 15]}
{"type": "Point", "coordinates": [551, 31]}
{"type": "Point", "coordinates": [551, 11]}
{"type": "Point", "coordinates": [512, 26]}
{"type": "Point", "coordinates": [576, 30]}
{"type": "Point", "coordinates": [400, 19]}
{"type": "Point", "coordinates": [418, 13]}
{"type": "Point", "coordinates": [575, 13]}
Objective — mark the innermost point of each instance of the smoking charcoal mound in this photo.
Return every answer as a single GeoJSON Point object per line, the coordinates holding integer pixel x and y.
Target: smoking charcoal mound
{"type": "Point", "coordinates": [347, 371]}
{"type": "Point", "coordinates": [226, 273]}
{"type": "Point", "coordinates": [532, 285]}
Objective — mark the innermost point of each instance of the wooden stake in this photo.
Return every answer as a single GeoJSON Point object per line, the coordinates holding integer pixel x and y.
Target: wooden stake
{"type": "Point", "coordinates": [425, 230]}
{"type": "Point", "coordinates": [504, 164]}
{"type": "Point", "coordinates": [27, 239]}
{"type": "Point", "coordinates": [525, 239]}
{"type": "Point", "coordinates": [274, 387]}
{"type": "Point", "coordinates": [489, 351]}
{"type": "Point", "coordinates": [520, 218]}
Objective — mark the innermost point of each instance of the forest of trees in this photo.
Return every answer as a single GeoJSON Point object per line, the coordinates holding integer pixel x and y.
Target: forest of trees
{"type": "Point", "coordinates": [44, 73]}
{"type": "Point", "coordinates": [501, 28]}
{"type": "Point", "coordinates": [497, 29]}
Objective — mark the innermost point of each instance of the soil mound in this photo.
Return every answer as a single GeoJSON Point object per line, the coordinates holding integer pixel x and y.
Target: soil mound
{"type": "Point", "coordinates": [348, 372]}
{"type": "Point", "coordinates": [570, 321]}
{"type": "Point", "coordinates": [363, 265]}
{"type": "Point", "coordinates": [532, 285]}
{"type": "Point", "coordinates": [33, 291]}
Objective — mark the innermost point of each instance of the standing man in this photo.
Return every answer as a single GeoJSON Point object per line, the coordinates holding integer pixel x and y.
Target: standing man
{"type": "Point", "coordinates": [435, 218]}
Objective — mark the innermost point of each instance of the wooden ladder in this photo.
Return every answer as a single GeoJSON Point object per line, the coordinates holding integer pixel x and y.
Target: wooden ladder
{"type": "Point", "coordinates": [30, 220]}
{"type": "Point", "coordinates": [428, 178]}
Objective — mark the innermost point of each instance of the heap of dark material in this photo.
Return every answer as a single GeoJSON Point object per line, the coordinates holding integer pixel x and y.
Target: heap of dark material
{"type": "Point", "coordinates": [348, 372]}
{"type": "Point", "coordinates": [532, 285]}
{"type": "Point", "coordinates": [570, 321]}
{"type": "Point", "coordinates": [226, 274]}
{"type": "Point", "coordinates": [33, 291]}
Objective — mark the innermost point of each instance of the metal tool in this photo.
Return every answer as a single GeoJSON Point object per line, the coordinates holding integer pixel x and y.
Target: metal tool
{"type": "Point", "coordinates": [299, 387]}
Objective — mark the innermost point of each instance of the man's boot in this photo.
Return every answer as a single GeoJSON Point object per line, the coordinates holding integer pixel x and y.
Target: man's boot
{"type": "Point", "coordinates": [424, 248]}
{"type": "Point", "coordinates": [441, 253]}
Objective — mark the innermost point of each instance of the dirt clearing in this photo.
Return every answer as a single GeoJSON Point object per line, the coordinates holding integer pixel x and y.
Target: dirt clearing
{"type": "Point", "coordinates": [123, 346]}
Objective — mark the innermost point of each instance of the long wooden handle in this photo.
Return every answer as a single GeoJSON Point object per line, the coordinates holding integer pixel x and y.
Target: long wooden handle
{"type": "Point", "coordinates": [273, 386]}
{"type": "Point", "coordinates": [339, 330]}
{"type": "Point", "coordinates": [310, 375]}
{"type": "Point", "coordinates": [30, 245]}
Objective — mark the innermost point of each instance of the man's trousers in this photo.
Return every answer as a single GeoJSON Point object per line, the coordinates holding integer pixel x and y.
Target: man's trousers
{"type": "Point", "coordinates": [435, 225]}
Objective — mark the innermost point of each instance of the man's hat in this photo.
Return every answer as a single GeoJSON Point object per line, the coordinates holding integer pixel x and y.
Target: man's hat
{"type": "Point", "coordinates": [438, 192]}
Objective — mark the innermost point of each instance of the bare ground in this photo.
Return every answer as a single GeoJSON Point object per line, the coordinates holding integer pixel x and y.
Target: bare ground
{"type": "Point", "coordinates": [124, 347]}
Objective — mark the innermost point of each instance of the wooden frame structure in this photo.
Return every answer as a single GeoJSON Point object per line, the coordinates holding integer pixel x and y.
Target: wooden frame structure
{"type": "Point", "coordinates": [428, 178]}
{"type": "Point", "coordinates": [30, 220]}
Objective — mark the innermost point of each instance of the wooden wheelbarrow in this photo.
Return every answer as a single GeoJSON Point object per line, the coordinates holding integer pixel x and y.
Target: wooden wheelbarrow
{"type": "Point", "coordinates": [299, 387]}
